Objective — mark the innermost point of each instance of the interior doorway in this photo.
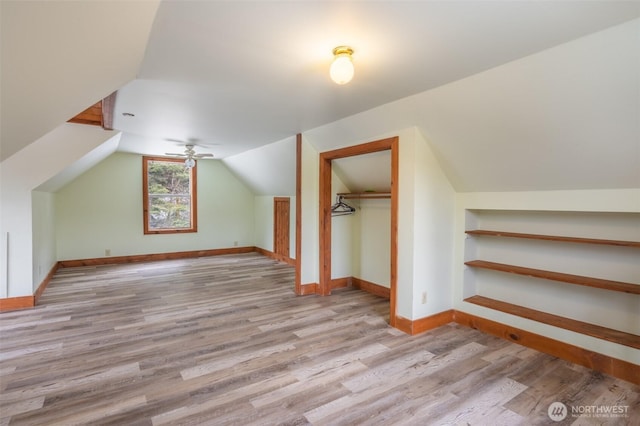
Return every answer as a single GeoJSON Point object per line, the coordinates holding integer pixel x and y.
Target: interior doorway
{"type": "Point", "coordinates": [326, 158]}
{"type": "Point", "coordinates": [281, 219]}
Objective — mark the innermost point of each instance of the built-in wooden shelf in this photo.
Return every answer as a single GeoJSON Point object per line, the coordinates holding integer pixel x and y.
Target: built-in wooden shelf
{"type": "Point", "coordinates": [611, 335]}
{"type": "Point", "coordinates": [482, 234]}
{"type": "Point", "coordinates": [368, 195]}
{"type": "Point", "coordinates": [554, 238]}
{"type": "Point", "coordinates": [557, 276]}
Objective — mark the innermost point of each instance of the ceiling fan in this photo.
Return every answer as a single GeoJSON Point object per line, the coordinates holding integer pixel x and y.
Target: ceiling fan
{"type": "Point", "coordinates": [189, 155]}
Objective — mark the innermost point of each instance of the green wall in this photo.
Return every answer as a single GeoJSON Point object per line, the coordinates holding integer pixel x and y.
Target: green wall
{"type": "Point", "coordinates": [102, 210]}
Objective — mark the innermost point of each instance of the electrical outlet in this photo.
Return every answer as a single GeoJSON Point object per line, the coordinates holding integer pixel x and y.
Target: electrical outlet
{"type": "Point", "coordinates": [424, 297]}
{"type": "Point", "coordinates": [107, 252]}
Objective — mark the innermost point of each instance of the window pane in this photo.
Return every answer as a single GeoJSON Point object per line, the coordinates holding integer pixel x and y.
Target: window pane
{"type": "Point", "coordinates": [168, 178]}
{"type": "Point", "coordinates": [168, 212]}
{"type": "Point", "coordinates": [170, 203]}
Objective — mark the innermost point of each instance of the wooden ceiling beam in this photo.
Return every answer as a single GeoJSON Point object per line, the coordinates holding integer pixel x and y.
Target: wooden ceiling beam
{"type": "Point", "coordinates": [98, 114]}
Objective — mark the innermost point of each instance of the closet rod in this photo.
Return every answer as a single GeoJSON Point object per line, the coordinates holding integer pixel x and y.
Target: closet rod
{"type": "Point", "coordinates": [347, 195]}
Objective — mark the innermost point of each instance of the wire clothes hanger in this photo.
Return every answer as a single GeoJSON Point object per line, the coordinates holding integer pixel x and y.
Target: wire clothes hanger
{"type": "Point", "coordinates": [340, 208]}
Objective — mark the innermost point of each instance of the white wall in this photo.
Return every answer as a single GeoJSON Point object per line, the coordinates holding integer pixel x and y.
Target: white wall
{"type": "Point", "coordinates": [102, 209]}
{"type": "Point", "coordinates": [263, 222]}
{"type": "Point", "coordinates": [625, 200]}
{"type": "Point", "coordinates": [372, 241]}
{"type": "Point", "coordinates": [309, 269]}
{"type": "Point", "coordinates": [425, 216]}
{"type": "Point", "coordinates": [23, 172]}
{"type": "Point", "coordinates": [433, 217]}
{"type": "Point", "coordinates": [44, 235]}
{"type": "Point", "coordinates": [269, 171]}
{"type": "Point", "coordinates": [341, 234]}
{"type": "Point", "coordinates": [425, 229]}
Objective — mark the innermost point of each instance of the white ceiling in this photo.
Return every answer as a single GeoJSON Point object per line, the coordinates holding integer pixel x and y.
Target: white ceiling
{"type": "Point", "coordinates": [233, 76]}
{"type": "Point", "coordinates": [500, 89]}
{"type": "Point", "coordinates": [366, 172]}
{"type": "Point", "coordinates": [60, 57]}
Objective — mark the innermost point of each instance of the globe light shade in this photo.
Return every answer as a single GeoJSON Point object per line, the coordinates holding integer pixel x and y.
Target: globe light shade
{"type": "Point", "coordinates": [189, 163]}
{"type": "Point", "coordinates": [341, 70]}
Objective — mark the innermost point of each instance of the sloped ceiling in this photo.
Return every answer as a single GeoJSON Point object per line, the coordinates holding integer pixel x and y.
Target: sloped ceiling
{"type": "Point", "coordinates": [366, 172]}
{"type": "Point", "coordinates": [233, 76]}
{"type": "Point", "coordinates": [525, 95]}
{"type": "Point", "coordinates": [476, 78]}
{"type": "Point", "coordinates": [87, 161]}
{"type": "Point", "coordinates": [564, 118]}
{"type": "Point", "coordinates": [269, 169]}
{"type": "Point", "coordinates": [60, 57]}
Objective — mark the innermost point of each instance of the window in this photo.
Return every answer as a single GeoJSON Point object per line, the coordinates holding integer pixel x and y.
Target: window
{"type": "Point", "coordinates": [169, 196]}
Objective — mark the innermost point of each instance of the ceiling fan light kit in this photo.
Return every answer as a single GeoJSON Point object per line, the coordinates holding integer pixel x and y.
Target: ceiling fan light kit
{"type": "Point", "coordinates": [342, 70]}
{"type": "Point", "coordinates": [190, 156]}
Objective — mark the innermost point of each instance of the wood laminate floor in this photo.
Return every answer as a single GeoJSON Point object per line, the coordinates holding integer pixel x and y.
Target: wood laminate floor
{"type": "Point", "coordinates": [224, 341]}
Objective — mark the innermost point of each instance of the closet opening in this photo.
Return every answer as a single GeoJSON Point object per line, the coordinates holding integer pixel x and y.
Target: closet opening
{"type": "Point", "coordinates": [336, 203]}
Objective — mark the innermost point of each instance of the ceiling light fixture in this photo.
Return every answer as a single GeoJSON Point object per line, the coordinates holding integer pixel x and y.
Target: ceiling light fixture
{"type": "Point", "coordinates": [189, 156]}
{"type": "Point", "coordinates": [341, 70]}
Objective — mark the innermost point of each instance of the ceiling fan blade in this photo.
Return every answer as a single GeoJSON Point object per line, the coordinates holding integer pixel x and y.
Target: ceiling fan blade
{"type": "Point", "coordinates": [202, 155]}
{"type": "Point", "coordinates": [174, 154]}
{"type": "Point", "coordinates": [178, 141]}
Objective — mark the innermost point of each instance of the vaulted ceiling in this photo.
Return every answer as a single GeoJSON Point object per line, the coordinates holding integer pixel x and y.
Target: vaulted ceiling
{"type": "Point", "coordinates": [235, 76]}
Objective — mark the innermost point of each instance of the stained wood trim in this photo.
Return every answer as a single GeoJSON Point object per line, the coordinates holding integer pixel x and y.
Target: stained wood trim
{"type": "Point", "coordinates": [15, 303]}
{"type": "Point", "coordinates": [484, 232]}
{"type": "Point", "coordinates": [91, 116]}
{"type": "Point", "coordinates": [325, 226]}
{"type": "Point", "coordinates": [298, 265]}
{"type": "Point", "coordinates": [340, 282]}
{"type": "Point", "coordinates": [154, 257]}
{"type": "Point", "coordinates": [370, 287]}
{"type": "Point", "coordinates": [275, 256]}
{"type": "Point", "coordinates": [310, 288]}
{"type": "Point", "coordinates": [421, 325]}
{"type": "Point", "coordinates": [558, 276]}
{"type": "Point", "coordinates": [391, 144]}
{"type": "Point", "coordinates": [24, 302]}
{"type": "Point", "coordinates": [265, 252]}
{"type": "Point", "coordinates": [615, 367]}
{"type": "Point", "coordinates": [609, 334]}
{"type": "Point", "coordinates": [433, 321]}
{"type": "Point", "coordinates": [404, 324]}
{"type": "Point", "coordinates": [43, 285]}
{"type": "Point", "coordinates": [98, 114]}
{"type": "Point", "coordinates": [145, 198]}
{"type": "Point", "coordinates": [108, 106]}
{"type": "Point", "coordinates": [364, 148]}
{"type": "Point", "coordinates": [395, 191]}
{"type": "Point", "coordinates": [364, 195]}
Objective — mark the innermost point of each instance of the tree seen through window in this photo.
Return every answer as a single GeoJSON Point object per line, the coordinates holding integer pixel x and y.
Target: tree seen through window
{"type": "Point", "coordinates": [169, 196]}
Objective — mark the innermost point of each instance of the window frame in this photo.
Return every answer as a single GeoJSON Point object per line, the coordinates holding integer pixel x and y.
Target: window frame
{"type": "Point", "coordinates": [193, 193]}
